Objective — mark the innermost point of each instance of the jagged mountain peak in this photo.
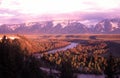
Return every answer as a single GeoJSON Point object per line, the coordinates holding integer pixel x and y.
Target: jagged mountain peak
{"type": "Point", "coordinates": [108, 25]}
{"type": "Point", "coordinates": [63, 27]}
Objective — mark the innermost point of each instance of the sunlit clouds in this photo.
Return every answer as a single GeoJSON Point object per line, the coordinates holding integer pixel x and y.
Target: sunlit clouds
{"type": "Point", "coordinates": [44, 6]}
{"type": "Point", "coordinates": [27, 10]}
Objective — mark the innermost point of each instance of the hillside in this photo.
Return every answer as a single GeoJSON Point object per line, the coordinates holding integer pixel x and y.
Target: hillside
{"type": "Point", "coordinates": [36, 45]}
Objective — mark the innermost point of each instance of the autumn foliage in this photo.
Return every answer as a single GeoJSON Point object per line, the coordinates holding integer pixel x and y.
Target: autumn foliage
{"type": "Point", "coordinates": [84, 58]}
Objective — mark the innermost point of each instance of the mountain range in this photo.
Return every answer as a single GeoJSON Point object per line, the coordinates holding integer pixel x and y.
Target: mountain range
{"type": "Point", "coordinates": [106, 26]}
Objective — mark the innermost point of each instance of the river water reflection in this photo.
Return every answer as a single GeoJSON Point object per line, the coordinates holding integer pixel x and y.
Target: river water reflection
{"type": "Point", "coordinates": [72, 45]}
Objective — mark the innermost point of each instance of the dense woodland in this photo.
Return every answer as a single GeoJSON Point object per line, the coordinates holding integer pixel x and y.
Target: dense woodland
{"type": "Point", "coordinates": [86, 58]}
{"type": "Point", "coordinates": [16, 60]}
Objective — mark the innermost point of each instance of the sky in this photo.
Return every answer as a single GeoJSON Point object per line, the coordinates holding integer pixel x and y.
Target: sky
{"type": "Point", "coordinates": [18, 11]}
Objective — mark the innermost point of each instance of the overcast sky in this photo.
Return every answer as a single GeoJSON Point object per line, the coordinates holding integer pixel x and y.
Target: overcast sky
{"type": "Point", "coordinates": [17, 11]}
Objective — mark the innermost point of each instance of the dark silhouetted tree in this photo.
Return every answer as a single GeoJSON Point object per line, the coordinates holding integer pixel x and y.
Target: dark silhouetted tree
{"type": "Point", "coordinates": [15, 62]}
{"type": "Point", "coordinates": [109, 68]}
{"type": "Point", "coordinates": [66, 70]}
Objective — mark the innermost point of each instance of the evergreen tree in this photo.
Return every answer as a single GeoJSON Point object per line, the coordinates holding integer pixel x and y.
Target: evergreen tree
{"type": "Point", "coordinates": [66, 70]}
{"type": "Point", "coordinates": [109, 68]}
{"type": "Point", "coordinates": [15, 62]}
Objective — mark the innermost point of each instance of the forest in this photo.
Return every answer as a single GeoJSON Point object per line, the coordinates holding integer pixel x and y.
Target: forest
{"type": "Point", "coordinates": [85, 58]}
{"type": "Point", "coordinates": [17, 58]}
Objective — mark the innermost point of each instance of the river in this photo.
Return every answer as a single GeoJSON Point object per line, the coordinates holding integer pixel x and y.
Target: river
{"type": "Point", "coordinates": [71, 45]}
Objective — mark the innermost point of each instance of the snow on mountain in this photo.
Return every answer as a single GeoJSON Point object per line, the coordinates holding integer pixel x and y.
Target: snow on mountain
{"type": "Point", "coordinates": [30, 23]}
{"type": "Point", "coordinates": [114, 26]}
{"type": "Point", "coordinates": [63, 27]}
{"type": "Point", "coordinates": [62, 22]}
{"type": "Point", "coordinates": [107, 25]}
{"type": "Point", "coordinates": [13, 26]}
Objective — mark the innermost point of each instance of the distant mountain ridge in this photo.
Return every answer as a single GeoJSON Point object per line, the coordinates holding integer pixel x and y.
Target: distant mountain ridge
{"type": "Point", "coordinates": [106, 26]}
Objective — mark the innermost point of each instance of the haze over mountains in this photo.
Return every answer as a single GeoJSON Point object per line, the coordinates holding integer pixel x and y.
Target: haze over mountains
{"type": "Point", "coordinates": [106, 26]}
